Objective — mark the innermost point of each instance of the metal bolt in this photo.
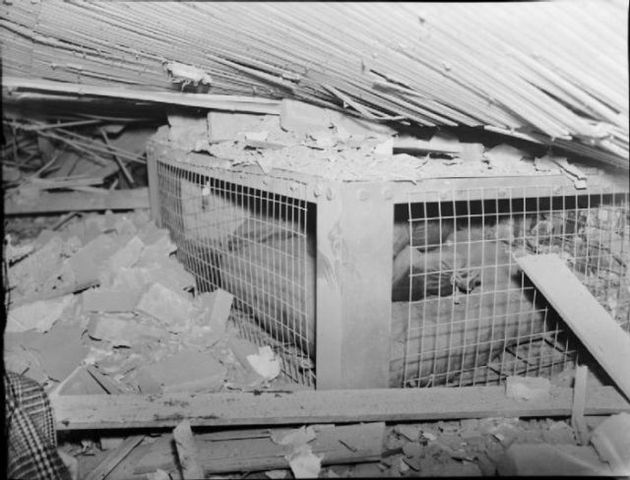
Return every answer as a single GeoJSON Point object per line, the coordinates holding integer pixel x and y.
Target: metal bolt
{"type": "Point", "coordinates": [363, 195]}
{"type": "Point", "coordinates": [317, 191]}
{"type": "Point", "coordinates": [330, 194]}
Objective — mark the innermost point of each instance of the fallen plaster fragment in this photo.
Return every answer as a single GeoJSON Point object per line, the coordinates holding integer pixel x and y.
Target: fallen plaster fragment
{"type": "Point", "coordinates": [157, 250]}
{"type": "Point", "coordinates": [187, 371]}
{"type": "Point", "coordinates": [265, 163]}
{"type": "Point", "coordinates": [39, 315]}
{"type": "Point", "coordinates": [304, 463]}
{"type": "Point", "coordinates": [14, 253]}
{"type": "Point", "coordinates": [110, 300]}
{"type": "Point", "coordinates": [61, 350]}
{"type": "Point", "coordinates": [296, 438]}
{"type": "Point", "coordinates": [223, 126]}
{"type": "Point", "coordinates": [527, 388]}
{"type": "Point", "coordinates": [611, 439]}
{"type": "Point", "coordinates": [171, 308]}
{"type": "Point", "coordinates": [127, 256]}
{"type": "Point", "coordinates": [159, 474]}
{"type": "Point", "coordinates": [257, 136]}
{"type": "Point", "coordinates": [265, 363]}
{"type": "Point", "coordinates": [504, 155]}
{"type": "Point", "coordinates": [385, 148]}
{"type": "Point", "coordinates": [216, 307]}
{"type": "Point", "coordinates": [188, 133]}
{"type": "Point", "coordinates": [276, 474]}
{"type": "Point", "coordinates": [410, 432]}
{"type": "Point", "coordinates": [123, 332]}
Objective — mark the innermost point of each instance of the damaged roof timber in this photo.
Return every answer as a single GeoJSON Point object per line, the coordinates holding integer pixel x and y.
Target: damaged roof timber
{"type": "Point", "coordinates": [556, 70]}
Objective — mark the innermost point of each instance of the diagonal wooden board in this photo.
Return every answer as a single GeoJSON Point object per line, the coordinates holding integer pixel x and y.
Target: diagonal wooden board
{"type": "Point", "coordinates": [589, 321]}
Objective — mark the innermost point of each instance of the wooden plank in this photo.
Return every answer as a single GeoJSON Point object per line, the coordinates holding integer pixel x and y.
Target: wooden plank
{"type": "Point", "coordinates": [154, 185]}
{"type": "Point", "coordinates": [187, 451]}
{"type": "Point", "coordinates": [114, 458]}
{"type": "Point", "coordinates": [231, 103]}
{"type": "Point", "coordinates": [579, 398]}
{"type": "Point", "coordinates": [257, 452]}
{"type": "Point", "coordinates": [591, 323]}
{"type": "Point", "coordinates": [329, 309]}
{"type": "Point", "coordinates": [79, 412]}
{"type": "Point", "coordinates": [79, 201]}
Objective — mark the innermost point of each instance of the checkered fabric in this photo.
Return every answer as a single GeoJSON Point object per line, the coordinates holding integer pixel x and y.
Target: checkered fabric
{"type": "Point", "coordinates": [32, 449]}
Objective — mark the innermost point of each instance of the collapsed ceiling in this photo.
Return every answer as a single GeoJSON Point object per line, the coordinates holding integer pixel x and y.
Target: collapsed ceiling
{"type": "Point", "coordinates": [553, 73]}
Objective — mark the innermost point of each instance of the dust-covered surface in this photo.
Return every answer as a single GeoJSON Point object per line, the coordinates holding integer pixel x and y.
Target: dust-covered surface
{"type": "Point", "coordinates": [336, 150]}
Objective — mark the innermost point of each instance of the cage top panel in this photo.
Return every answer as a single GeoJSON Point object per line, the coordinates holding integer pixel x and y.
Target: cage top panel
{"type": "Point", "coordinates": [289, 177]}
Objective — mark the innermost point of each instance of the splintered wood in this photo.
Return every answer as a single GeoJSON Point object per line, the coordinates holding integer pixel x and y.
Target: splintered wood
{"type": "Point", "coordinates": [258, 450]}
{"type": "Point", "coordinates": [378, 62]}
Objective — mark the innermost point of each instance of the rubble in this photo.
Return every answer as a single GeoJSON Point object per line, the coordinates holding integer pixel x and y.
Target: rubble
{"type": "Point", "coordinates": [142, 326]}
{"type": "Point", "coordinates": [611, 439]}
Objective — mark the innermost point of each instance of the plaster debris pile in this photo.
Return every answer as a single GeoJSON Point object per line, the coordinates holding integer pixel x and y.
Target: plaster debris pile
{"type": "Point", "coordinates": [322, 142]}
{"type": "Point", "coordinates": [107, 296]}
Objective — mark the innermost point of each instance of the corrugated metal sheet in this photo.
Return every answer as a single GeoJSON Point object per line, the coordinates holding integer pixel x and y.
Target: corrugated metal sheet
{"type": "Point", "coordinates": [555, 70]}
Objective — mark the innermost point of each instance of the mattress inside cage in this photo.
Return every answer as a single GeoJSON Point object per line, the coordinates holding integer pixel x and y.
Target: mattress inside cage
{"type": "Point", "coordinates": [472, 318]}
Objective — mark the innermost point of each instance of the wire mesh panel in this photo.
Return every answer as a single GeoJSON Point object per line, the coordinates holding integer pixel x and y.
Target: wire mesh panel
{"type": "Point", "coordinates": [256, 245]}
{"type": "Point", "coordinates": [462, 312]}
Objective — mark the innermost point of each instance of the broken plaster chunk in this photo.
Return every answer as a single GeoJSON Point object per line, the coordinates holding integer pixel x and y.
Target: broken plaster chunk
{"type": "Point", "coordinates": [127, 256]}
{"type": "Point", "coordinates": [162, 248]}
{"type": "Point", "coordinates": [265, 363]}
{"type": "Point", "coordinates": [216, 307]}
{"type": "Point", "coordinates": [611, 439]}
{"type": "Point", "coordinates": [187, 74]}
{"type": "Point", "coordinates": [159, 474]}
{"type": "Point", "coordinates": [224, 126]}
{"type": "Point", "coordinates": [527, 388]}
{"type": "Point", "coordinates": [169, 307]}
{"type": "Point", "coordinates": [295, 438]}
{"type": "Point", "coordinates": [40, 315]}
{"type": "Point", "coordinates": [304, 463]}
{"type": "Point", "coordinates": [385, 148]}
{"type": "Point", "coordinates": [123, 332]}
{"type": "Point", "coordinates": [188, 133]}
{"type": "Point", "coordinates": [110, 300]}
{"type": "Point", "coordinates": [276, 474]}
{"type": "Point", "coordinates": [505, 155]}
{"type": "Point", "coordinates": [187, 371]}
{"type": "Point", "coordinates": [257, 136]}
{"type": "Point", "coordinates": [410, 432]}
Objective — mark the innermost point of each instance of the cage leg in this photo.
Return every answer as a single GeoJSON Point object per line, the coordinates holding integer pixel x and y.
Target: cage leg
{"type": "Point", "coordinates": [354, 269]}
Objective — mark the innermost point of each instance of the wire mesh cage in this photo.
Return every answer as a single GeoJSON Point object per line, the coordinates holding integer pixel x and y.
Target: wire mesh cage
{"type": "Point", "coordinates": [252, 243]}
{"type": "Point", "coordinates": [463, 314]}
{"type": "Point", "coordinates": [358, 284]}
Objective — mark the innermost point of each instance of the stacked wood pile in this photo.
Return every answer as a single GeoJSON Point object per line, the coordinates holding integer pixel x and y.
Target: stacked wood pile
{"type": "Point", "coordinates": [554, 73]}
